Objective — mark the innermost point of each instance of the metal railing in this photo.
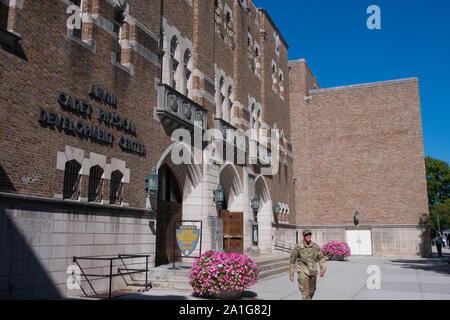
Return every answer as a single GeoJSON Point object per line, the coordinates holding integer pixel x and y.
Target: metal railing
{"type": "Point", "coordinates": [120, 271]}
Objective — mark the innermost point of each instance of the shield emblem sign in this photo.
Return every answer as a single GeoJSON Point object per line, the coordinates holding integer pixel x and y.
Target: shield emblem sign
{"type": "Point", "coordinates": [187, 239]}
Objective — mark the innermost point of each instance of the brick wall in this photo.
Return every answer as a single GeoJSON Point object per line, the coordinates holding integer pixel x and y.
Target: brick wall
{"type": "Point", "coordinates": [358, 148]}
{"type": "Point", "coordinates": [57, 64]}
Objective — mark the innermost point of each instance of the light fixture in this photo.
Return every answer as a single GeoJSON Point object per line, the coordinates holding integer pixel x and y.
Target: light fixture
{"type": "Point", "coordinates": [218, 198]}
{"type": "Point", "coordinates": [277, 208]}
{"type": "Point", "coordinates": [356, 218]}
{"type": "Point", "coordinates": [151, 183]}
{"type": "Point", "coordinates": [255, 206]}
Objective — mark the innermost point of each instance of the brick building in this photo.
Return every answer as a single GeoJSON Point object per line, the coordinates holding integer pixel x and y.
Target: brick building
{"type": "Point", "coordinates": [99, 96]}
{"type": "Point", "coordinates": [359, 148]}
{"type": "Point", "coordinates": [97, 93]}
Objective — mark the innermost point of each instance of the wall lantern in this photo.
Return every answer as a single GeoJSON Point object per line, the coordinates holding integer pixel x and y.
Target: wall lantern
{"type": "Point", "coordinates": [255, 207]}
{"type": "Point", "coordinates": [356, 218]}
{"type": "Point", "coordinates": [218, 198]}
{"type": "Point", "coordinates": [151, 183]}
{"type": "Point", "coordinates": [277, 208]}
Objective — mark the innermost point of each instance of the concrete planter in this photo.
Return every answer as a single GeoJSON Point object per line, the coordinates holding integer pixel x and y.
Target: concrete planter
{"type": "Point", "coordinates": [336, 258]}
{"type": "Point", "coordinates": [232, 295]}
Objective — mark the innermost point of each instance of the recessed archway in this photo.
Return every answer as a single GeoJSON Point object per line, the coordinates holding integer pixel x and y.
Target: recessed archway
{"type": "Point", "coordinates": [178, 185]}
{"type": "Point", "coordinates": [232, 186]}
{"type": "Point", "coordinates": [233, 210]}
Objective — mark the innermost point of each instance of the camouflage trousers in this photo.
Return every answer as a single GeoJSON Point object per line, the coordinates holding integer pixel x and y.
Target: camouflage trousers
{"type": "Point", "coordinates": [307, 285]}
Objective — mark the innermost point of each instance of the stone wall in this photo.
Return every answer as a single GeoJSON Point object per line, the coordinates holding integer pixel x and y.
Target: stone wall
{"type": "Point", "coordinates": [387, 241]}
{"type": "Point", "coordinates": [39, 240]}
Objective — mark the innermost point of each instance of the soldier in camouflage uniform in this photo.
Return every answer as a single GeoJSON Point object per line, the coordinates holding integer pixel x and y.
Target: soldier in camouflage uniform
{"type": "Point", "coordinates": [304, 259]}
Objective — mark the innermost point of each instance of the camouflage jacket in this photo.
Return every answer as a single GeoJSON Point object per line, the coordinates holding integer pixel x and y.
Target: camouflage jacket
{"type": "Point", "coordinates": [304, 258]}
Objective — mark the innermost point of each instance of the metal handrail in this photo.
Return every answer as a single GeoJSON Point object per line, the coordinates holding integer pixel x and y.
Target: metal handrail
{"type": "Point", "coordinates": [111, 274]}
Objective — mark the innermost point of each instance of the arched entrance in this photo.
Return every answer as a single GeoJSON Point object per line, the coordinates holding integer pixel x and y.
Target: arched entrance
{"type": "Point", "coordinates": [169, 210]}
{"type": "Point", "coordinates": [232, 213]}
{"type": "Point", "coordinates": [177, 184]}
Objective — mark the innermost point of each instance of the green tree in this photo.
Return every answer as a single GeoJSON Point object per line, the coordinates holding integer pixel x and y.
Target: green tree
{"type": "Point", "coordinates": [438, 184]}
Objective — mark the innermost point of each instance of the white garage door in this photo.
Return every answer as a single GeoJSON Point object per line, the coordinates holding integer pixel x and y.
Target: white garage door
{"type": "Point", "coordinates": [360, 242]}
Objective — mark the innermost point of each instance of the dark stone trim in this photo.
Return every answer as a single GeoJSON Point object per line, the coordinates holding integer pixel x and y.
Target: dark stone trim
{"type": "Point", "coordinates": [15, 199]}
{"type": "Point", "coordinates": [350, 227]}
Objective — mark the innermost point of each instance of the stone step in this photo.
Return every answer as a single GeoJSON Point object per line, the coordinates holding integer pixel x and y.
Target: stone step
{"type": "Point", "coordinates": [271, 260]}
{"type": "Point", "coordinates": [169, 278]}
{"type": "Point", "coordinates": [273, 265]}
{"type": "Point", "coordinates": [274, 271]}
{"type": "Point", "coordinates": [171, 285]}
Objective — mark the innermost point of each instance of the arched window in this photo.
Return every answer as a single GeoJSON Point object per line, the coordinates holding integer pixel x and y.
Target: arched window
{"type": "Point", "coordinates": [187, 71]}
{"type": "Point", "coordinates": [252, 116]}
{"type": "Point", "coordinates": [258, 125]}
{"type": "Point", "coordinates": [71, 188]}
{"type": "Point", "coordinates": [281, 84]}
{"type": "Point", "coordinates": [230, 103]}
{"type": "Point", "coordinates": [274, 77]}
{"type": "Point", "coordinates": [115, 188]}
{"type": "Point", "coordinates": [95, 184]}
{"type": "Point", "coordinates": [119, 18]}
{"type": "Point", "coordinates": [221, 98]}
{"type": "Point", "coordinates": [173, 62]}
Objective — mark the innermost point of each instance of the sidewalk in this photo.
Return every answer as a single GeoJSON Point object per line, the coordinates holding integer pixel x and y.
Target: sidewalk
{"type": "Point", "coordinates": [401, 279]}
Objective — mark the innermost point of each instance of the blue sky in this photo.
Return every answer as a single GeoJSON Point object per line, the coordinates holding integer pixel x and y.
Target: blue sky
{"type": "Point", "coordinates": [414, 41]}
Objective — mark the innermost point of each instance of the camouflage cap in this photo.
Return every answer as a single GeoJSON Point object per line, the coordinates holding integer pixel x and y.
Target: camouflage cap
{"type": "Point", "coordinates": [306, 231]}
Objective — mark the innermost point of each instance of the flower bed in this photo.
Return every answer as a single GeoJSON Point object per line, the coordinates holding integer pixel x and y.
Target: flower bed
{"type": "Point", "coordinates": [218, 272]}
{"type": "Point", "coordinates": [335, 250]}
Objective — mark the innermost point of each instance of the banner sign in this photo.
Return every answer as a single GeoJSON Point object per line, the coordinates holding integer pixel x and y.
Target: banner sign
{"type": "Point", "coordinates": [187, 239]}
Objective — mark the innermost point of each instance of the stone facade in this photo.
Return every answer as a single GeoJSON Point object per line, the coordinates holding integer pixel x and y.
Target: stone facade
{"type": "Point", "coordinates": [87, 112]}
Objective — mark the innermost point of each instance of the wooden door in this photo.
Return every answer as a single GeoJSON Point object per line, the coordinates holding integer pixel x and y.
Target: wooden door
{"type": "Point", "coordinates": [233, 231]}
{"type": "Point", "coordinates": [167, 214]}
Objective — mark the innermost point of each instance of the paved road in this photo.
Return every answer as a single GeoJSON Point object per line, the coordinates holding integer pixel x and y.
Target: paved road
{"type": "Point", "coordinates": [401, 279]}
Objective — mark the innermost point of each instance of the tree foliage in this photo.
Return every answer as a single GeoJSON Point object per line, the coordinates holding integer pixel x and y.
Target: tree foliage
{"type": "Point", "coordinates": [438, 184]}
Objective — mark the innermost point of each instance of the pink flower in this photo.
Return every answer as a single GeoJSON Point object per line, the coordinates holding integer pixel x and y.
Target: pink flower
{"type": "Point", "coordinates": [338, 249]}
{"type": "Point", "coordinates": [216, 272]}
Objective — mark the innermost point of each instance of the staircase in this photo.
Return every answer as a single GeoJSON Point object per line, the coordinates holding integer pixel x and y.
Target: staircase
{"type": "Point", "coordinates": [273, 264]}
{"type": "Point", "coordinates": [164, 278]}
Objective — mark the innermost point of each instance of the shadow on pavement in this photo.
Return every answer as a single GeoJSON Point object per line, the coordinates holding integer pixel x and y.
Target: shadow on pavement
{"type": "Point", "coordinates": [247, 295]}
{"type": "Point", "coordinates": [435, 264]}
{"type": "Point", "coordinates": [150, 297]}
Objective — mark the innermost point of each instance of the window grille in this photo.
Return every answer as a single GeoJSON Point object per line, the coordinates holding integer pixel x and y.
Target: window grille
{"type": "Point", "coordinates": [95, 184]}
{"type": "Point", "coordinates": [115, 191]}
{"type": "Point", "coordinates": [71, 180]}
